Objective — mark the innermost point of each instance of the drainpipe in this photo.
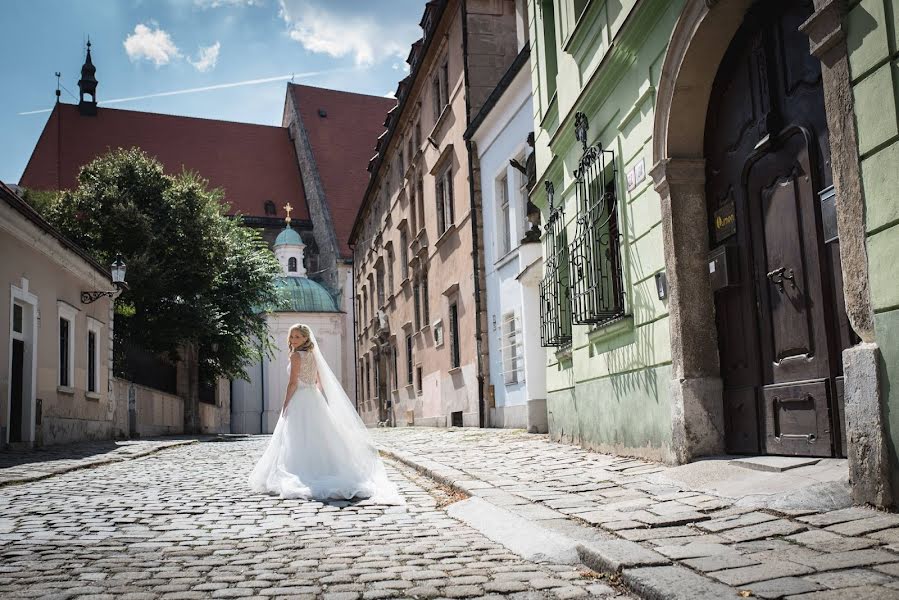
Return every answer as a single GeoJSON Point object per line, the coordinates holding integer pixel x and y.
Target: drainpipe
{"type": "Point", "coordinates": [475, 238]}
{"type": "Point", "coordinates": [262, 380]}
{"type": "Point", "coordinates": [352, 248]}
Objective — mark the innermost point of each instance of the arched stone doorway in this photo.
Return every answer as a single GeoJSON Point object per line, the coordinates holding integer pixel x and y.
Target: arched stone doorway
{"type": "Point", "coordinates": [702, 35]}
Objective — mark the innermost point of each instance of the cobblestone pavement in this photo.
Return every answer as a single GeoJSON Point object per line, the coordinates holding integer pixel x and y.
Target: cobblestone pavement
{"type": "Point", "coordinates": [182, 524]}
{"type": "Point", "coordinates": [19, 466]}
{"type": "Point", "coordinates": [672, 542]}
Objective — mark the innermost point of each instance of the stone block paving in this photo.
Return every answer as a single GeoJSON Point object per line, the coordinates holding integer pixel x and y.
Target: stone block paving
{"type": "Point", "coordinates": [675, 543]}
{"type": "Point", "coordinates": [182, 524]}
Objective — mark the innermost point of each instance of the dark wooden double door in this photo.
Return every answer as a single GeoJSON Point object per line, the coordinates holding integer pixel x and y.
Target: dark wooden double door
{"type": "Point", "coordinates": [780, 314]}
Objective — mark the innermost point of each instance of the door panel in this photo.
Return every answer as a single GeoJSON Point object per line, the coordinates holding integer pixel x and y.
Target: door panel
{"type": "Point", "coordinates": [16, 391]}
{"type": "Point", "coordinates": [741, 420]}
{"type": "Point", "coordinates": [797, 419]}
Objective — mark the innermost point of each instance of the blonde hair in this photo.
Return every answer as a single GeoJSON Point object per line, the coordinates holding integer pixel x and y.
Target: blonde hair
{"type": "Point", "coordinates": [306, 331]}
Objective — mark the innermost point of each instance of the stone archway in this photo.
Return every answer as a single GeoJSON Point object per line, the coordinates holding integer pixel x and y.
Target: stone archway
{"type": "Point", "coordinates": [699, 41]}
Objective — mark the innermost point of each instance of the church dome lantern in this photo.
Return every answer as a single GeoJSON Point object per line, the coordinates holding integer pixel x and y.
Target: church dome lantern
{"type": "Point", "coordinates": [87, 85]}
{"type": "Point", "coordinates": [289, 249]}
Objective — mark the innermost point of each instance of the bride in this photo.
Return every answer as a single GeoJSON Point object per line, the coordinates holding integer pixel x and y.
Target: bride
{"type": "Point", "coordinates": [320, 448]}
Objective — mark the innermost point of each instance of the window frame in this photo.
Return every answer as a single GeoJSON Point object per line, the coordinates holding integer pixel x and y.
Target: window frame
{"type": "Point", "coordinates": [445, 199]}
{"type": "Point", "coordinates": [94, 328]}
{"type": "Point", "coordinates": [455, 341]}
{"type": "Point", "coordinates": [68, 313]}
{"type": "Point", "coordinates": [410, 362]}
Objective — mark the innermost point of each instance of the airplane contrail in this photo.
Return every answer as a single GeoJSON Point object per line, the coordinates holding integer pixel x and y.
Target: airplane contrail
{"type": "Point", "coordinates": [202, 89]}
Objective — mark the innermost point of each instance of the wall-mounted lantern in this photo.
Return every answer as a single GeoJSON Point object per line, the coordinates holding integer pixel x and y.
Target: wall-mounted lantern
{"type": "Point", "coordinates": [117, 269]}
{"type": "Point", "coordinates": [662, 285]}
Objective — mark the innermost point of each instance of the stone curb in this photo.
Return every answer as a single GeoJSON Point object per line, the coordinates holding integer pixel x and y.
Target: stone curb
{"type": "Point", "coordinates": [427, 472]}
{"type": "Point", "coordinates": [98, 463]}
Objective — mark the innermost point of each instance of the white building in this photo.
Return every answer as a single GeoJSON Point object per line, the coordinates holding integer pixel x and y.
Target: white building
{"type": "Point", "coordinates": [256, 404]}
{"type": "Point", "coordinates": [513, 254]}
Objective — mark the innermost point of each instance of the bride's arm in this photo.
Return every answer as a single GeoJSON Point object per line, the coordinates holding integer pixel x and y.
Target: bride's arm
{"type": "Point", "coordinates": [292, 380]}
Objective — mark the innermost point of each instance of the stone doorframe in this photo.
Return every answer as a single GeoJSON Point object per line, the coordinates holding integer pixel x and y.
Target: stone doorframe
{"type": "Point", "coordinates": [700, 38]}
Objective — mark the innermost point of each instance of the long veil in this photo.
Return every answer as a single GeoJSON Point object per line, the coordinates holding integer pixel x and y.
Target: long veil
{"type": "Point", "coordinates": [353, 428]}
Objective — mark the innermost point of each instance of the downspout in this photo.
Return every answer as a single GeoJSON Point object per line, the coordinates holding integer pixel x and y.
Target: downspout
{"type": "Point", "coordinates": [262, 380]}
{"type": "Point", "coordinates": [475, 224]}
{"type": "Point", "coordinates": [352, 247]}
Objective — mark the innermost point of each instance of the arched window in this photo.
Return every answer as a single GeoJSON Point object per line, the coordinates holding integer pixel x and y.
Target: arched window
{"type": "Point", "coordinates": [270, 209]}
{"type": "Point", "coordinates": [292, 264]}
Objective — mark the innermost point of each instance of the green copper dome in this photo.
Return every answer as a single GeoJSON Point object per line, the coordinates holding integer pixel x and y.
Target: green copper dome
{"type": "Point", "coordinates": [288, 236]}
{"type": "Point", "coordinates": [300, 294]}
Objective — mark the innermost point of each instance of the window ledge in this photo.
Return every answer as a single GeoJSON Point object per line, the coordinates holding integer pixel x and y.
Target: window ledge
{"type": "Point", "coordinates": [409, 385]}
{"type": "Point", "coordinates": [65, 389]}
{"type": "Point", "coordinates": [92, 395]}
{"type": "Point", "coordinates": [438, 124]}
{"type": "Point", "coordinates": [506, 258]}
{"type": "Point", "coordinates": [455, 370]}
{"type": "Point", "coordinates": [451, 228]}
{"type": "Point", "coordinates": [611, 328]}
{"type": "Point", "coordinates": [564, 353]}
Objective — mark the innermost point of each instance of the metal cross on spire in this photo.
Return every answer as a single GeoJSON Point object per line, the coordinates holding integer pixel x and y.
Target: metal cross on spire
{"type": "Point", "coordinates": [288, 208]}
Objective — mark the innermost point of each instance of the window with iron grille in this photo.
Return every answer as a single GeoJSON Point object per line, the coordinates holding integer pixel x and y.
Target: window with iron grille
{"type": "Point", "coordinates": [555, 304]}
{"type": "Point", "coordinates": [597, 295]}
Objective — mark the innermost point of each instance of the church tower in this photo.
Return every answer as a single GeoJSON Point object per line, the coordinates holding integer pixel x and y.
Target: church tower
{"type": "Point", "coordinates": [87, 86]}
{"type": "Point", "coordinates": [289, 249]}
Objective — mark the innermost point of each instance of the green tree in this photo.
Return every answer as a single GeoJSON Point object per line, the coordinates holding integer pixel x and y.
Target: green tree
{"type": "Point", "coordinates": [195, 276]}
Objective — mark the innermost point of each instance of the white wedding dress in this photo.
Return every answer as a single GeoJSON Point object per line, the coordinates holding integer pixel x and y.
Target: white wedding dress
{"type": "Point", "coordinates": [320, 448]}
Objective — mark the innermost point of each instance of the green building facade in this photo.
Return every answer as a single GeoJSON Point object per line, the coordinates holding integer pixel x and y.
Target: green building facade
{"type": "Point", "coordinates": [684, 317]}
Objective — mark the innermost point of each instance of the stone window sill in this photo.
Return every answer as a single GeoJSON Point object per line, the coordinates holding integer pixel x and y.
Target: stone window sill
{"type": "Point", "coordinates": [65, 389]}
{"type": "Point", "coordinates": [92, 395]}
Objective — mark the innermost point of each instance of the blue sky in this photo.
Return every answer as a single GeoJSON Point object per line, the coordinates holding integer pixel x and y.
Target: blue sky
{"type": "Point", "coordinates": [146, 47]}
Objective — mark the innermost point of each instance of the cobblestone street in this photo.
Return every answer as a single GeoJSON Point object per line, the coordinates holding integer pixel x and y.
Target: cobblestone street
{"type": "Point", "coordinates": [181, 523]}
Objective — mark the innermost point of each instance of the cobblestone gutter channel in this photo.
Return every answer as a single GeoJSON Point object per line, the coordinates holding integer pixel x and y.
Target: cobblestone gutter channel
{"type": "Point", "coordinates": [663, 541]}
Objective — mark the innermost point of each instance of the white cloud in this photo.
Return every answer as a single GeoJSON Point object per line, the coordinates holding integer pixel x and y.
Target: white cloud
{"type": "Point", "coordinates": [322, 30]}
{"type": "Point", "coordinates": [218, 3]}
{"type": "Point", "coordinates": [390, 94]}
{"type": "Point", "coordinates": [151, 44]}
{"type": "Point", "coordinates": [206, 58]}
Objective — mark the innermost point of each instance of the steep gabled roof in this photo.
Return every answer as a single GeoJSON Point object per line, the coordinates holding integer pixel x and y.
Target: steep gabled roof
{"type": "Point", "coordinates": [251, 163]}
{"type": "Point", "coordinates": [341, 128]}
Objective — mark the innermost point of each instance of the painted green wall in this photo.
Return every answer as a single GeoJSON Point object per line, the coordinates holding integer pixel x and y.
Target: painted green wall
{"type": "Point", "coordinates": [873, 44]}
{"type": "Point", "coordinates": [610, 391]}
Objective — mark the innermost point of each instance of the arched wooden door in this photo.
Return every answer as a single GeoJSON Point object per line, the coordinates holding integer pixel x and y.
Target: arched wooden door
{"type": "Point", "coordinates": [775, 266]}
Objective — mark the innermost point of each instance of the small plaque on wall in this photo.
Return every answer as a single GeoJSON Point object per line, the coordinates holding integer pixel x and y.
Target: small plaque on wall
{"type": "Point", "coordinates": [725, 222]}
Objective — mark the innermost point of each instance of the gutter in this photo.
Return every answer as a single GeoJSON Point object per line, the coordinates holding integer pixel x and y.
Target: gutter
{"type": "Point", "coordinates": [352, 300]}
{"type": "Point", "coordinates": [475, 226]}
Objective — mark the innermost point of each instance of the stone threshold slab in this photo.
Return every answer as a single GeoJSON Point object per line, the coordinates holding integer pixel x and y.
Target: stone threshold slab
{"type": "Point", "coordinates": [774, 464]}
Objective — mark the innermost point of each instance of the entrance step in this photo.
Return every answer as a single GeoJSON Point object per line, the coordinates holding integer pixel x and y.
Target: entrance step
{"type": "Point", "coordinates": [774, 464]}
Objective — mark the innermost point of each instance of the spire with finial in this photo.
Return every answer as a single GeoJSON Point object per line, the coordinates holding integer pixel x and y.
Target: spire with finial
{"type": "Point", "coordinates": [87, 85]}
{"type": "Point", "coordinates": [289, 248]}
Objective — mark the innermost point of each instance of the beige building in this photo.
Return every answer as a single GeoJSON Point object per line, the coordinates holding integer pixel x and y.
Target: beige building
{"type": "Point", "coordinates": [418, 244]}
{"type": "Point", "coordinates": [56, 359]}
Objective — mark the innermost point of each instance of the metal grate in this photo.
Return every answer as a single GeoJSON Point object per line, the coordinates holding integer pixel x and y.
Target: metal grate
{"type": "Point", "coordinates": [555, 305]}
{"type": "Point", "coordinates": [597, 295]}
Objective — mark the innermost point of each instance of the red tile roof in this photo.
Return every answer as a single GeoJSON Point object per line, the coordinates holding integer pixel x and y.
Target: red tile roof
{"type": "Point", "coordinates": [341, 144]}
{"type": "Point", "coordinates": [252, 163]}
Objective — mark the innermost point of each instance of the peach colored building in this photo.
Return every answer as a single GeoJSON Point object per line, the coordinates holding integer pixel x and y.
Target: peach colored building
{"type": "Point", "coordinates": [421, 340]}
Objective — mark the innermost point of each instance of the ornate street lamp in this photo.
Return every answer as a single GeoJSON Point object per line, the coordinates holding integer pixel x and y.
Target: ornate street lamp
{"type": "Point", "coordinates": [118, 279]}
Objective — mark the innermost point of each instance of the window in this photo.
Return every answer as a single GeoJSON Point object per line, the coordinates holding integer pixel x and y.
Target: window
{"type": "Point", "coordinates": [444, 193]}
{"type": "Point", "coordinates": [390, 258]}
{"type": "Point", "coordinates": [555, 299]}
{"type": "Point", "coordinates": [409, 359]}
{"type": "Point", "coordinates": [380, 276]}
{"type": "Point", "coordinates": [597, 294]}
{"type": "Point", "coordinates": [413, 216]}
{"type": "Point", "coordinates": [511, 349]}
{"type": "Point", "coordinates": [404, 254]}
{"type": "Point", "coordinates": [65, 355]}
{"type": "Point", "coordinates": [425, 303]}
{"type": "Point", "coordinates": [93, 354]}
{"type": "Point", "coordinates": [17, 318]}
{"type": "Point", "coordinates": [504, 226]}
{"type": "Point", "coordinates": [368, 393]}
{"type": "Point", "coordinates": [416, 291]}
{"type": "Point", "coordinates": [455, 357]}
{"type": "Point", "coordinates": [401, 162]}
{"type": "Point", "coordinates": [364, 302]}
{"type": "Point", "coordinates": [66, 367]}
{"type": "Point", "coordinates": [420, 198]}
{"type": "Point", "coordinates": [410, 149]}
{"type": "Point", "coordinates": [292, 265]}
{"type": "Point", "coordinates": [440, 89]}
{"type": "Point", "coordinates": [549, 51]}
{"type": "Point", "coordinates": [270, 210]}
{"type": "Point", "coordinates": [579, 6]}
{"type": "Point", "coordinates": [418, 377]}
{"type": "Point", "coordinates": [444, 83]}
{"type": "Point", "coordinates": [396, 360]}
{"type": "Point", "coordinates": [417, 135]}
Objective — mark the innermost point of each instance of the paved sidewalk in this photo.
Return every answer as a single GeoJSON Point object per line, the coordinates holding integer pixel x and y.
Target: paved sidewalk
{"type": "Point", "coordinates": [21, 466]}
{"type": "Point", "coordinates": [665, 540]}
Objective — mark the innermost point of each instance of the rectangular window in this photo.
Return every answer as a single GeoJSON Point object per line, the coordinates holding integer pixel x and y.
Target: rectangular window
{"type": "Point", "coordinates": [555, 297]}
{"type": "Point", "coordinates": [418, 376]}
{"type": "Point", "coordinates": [435, 94]}
{"type": "Point", "coordinates": [579, 6]}
{"type": "Point", "coordinates": [91, 361]}
{"type": "Point", "coordinates": [417, 135]}
{"type": "Point", "coordinates": [440, 89]}
{"type": "Point", "coordinates": [65, 334]}
{"type": "Point", "coordinates": [390, 258]}
{"type": "Point", "coordinates": [444, 84]}
{"type": "Point", "coordinates": [455, 357]}
{"type": "Point", "coordinates": [410, 148]}
{"type": "Point", "coordinates": [511, 349]}
{"type": "Point", "coordinates": [413, 216]}
{"type": "Point", "coordinates": [380, 276]}
{"type": "Point", "coordinates": [504, 233]}
{"type": "Point", "coordinates": [551, 65]}
{"type": "Point", "coordinates": [17, 318]}
{"type": "Point", "coordinates": [404, 254]}
{"type": "Point", "coordinates": [368, 378]}
{"type": "Point", "coordinates": [402, 160]}
{"type": "Point", "coordinates": [420, 198]}
{"type": "Point", "coordinates": [409, 362]}
{"type": "Point", "coordinates": [396, 360]}
{"type": "Point", "coordinates": [444, 197]}
{"type": "Point", "coordinates": [416, 300]}
{"type": "Point", "coordinates": [425, 303]}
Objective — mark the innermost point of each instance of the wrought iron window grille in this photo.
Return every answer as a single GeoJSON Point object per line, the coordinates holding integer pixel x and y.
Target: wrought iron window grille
{"type": "Point", "coordinates": [597, 294]}
{"type": "Point", "coordinates": [555, 302]}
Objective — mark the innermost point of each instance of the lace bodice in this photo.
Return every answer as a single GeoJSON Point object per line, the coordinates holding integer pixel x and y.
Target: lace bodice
{"type": "Point", "coordinates": [308, 371]}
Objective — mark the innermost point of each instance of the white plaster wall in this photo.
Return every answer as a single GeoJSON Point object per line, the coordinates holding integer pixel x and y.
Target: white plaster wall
{"type": "Point", "coordinates": [500, 138]}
